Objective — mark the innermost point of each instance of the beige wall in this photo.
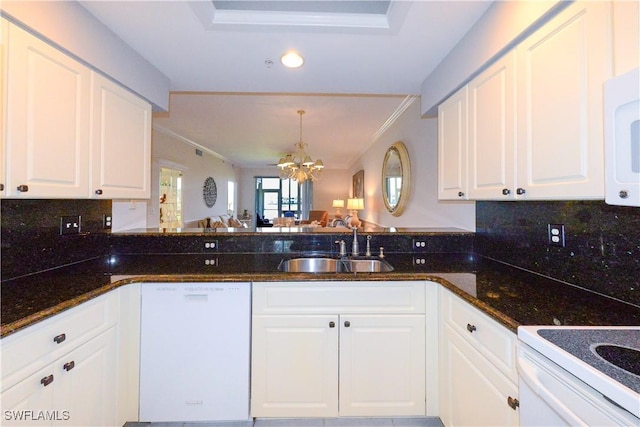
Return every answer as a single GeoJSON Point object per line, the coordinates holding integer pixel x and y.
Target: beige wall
{"type": "Point", "coordinates": [170, 152]}
{"type": "Point", "coordinates": [420, 136]}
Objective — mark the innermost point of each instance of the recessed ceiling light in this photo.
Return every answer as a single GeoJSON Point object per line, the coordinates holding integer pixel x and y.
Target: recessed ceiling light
{"type": "Point", "coordinates": [292, 60]}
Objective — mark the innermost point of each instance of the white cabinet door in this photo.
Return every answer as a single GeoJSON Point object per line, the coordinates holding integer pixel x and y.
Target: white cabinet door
{"type": "Point", "coordinates": [87, 382]}
{"type": "Point", "coordinates": [472, 391]}
{"type": "Point", "coordinates": [78, 389]}
{"type": "Point", "coordinates": [120, 142]}
{"type": "Point", "coordinates": [48, 111]}
{"type": "Point", "coordinates": [382, 365]}
{"type": "Point", "coordinates": [22, 402]}
{"type": "Point", "coordinates": [452, 147]}
{"type": "Point", "coordinates": [561, 71]}
{"type": "Point", "coordinates": [294, 371]}
{"type": "Point", "coordinates": [492, 132]}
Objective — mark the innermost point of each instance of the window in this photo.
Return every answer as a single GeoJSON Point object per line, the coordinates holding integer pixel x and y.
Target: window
{"type": "Point", "coordinates": [282, 197]}
{"type": "Point", "coordinates": [231, 198]}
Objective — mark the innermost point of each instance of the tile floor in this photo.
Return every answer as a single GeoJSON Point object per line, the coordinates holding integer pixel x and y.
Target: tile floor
{"type": "Point", "coordinates": [308, 422]}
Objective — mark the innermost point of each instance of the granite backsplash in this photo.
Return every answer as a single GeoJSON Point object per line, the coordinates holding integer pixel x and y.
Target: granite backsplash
{"type": "Point", "coordinates": [31, 240]}
{"type": "Point", "coordinates": [602, 242]}
{"type": "Point", "coordinates": [602, 251]}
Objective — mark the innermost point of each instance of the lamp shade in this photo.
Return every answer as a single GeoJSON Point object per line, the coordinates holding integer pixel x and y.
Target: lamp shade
{"type": "Point", "coordinates": [355, 204]}
{"type": "Point", "coordinates": [338, 203]}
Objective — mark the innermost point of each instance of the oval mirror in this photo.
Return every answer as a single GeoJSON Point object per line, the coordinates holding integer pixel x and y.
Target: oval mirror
{"type": "Point", "coordinates": [396, 178]}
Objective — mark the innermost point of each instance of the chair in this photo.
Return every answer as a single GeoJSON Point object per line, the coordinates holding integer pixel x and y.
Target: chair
{"type": "Point", "coordinates": [262, 222]}
{"type": "Point", "coordinates": [322, 217]}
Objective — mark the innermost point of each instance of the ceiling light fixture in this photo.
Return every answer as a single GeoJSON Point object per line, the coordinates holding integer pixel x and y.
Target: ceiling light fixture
{"type": "Point", "coordinates": [299, 166]}
{"type": "Point", "coordinates": [292, 60]}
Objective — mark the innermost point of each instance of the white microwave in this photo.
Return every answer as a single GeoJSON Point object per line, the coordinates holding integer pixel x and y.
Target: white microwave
{"type": "Point", "coordinates": [622, 139]}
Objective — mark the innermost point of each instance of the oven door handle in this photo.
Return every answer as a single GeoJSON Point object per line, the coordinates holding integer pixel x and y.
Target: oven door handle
{"type": "Point", "coordinates": [528, 371]}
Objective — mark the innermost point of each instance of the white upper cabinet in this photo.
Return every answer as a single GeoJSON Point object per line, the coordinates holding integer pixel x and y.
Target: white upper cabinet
{"type": "Point", "coordinates": [4, 38]}
{"type": "Point", "coordinates": [48, 107]}
{"type": "Point", "coordinates": [492, 131]}
{"type": "Point", "coordinates": [452, 147]}
{"type": "Point", "coordinates": [535, 117]}
{"type": "Point", "coordinates": [561, 71]}
{"type": "Point", "coordinates": [120, 142]}
{"type": "Point", "coordinates": [70, 133]}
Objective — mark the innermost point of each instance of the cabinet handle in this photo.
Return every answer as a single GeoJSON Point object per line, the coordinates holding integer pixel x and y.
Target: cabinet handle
{"type": "Point", "coordinates": [69, 366]}
{"type": "Point", "coordinates": [59, 338]}
{"type": "Point", "coordinates": [23, 188]}
{"type": "Point", "coordinates": [623, 194]}
{"type": "Point", "coordinates": [520, 191]}
{"type": "Point", "coordinates": [332, 324]}
{"type": "Point", "coordinates": [46, 380]}
{"type": "Point", "coordinates": [1, 187]}
{"type": "Point", "coordinates": [347, 323]}
{"type": "Point", "coordinates": [98, 192]}
{"type": "Point", "coordinates": [460, 194]}
{"type": "Point", "coordinates": [471, 328]}
{"type": "Point", "coordinates": [506, 191]}
{"type": "Point", "coordinates": [513, 403]}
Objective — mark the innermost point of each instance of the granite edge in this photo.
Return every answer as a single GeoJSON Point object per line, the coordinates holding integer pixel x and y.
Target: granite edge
{"type": "Point", "coordinates": [25, 322]}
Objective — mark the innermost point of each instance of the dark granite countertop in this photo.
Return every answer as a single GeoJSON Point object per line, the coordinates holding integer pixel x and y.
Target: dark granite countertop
{"type": "Point", "coordinates": [510, 295]}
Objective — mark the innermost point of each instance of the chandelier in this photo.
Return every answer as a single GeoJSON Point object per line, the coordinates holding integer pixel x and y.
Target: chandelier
{"type": "Point", "coordinates": [299, 166]}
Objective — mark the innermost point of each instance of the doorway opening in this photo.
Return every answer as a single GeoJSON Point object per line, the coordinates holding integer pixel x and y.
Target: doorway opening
{"type": "Point", "coordinates": [170, 198]}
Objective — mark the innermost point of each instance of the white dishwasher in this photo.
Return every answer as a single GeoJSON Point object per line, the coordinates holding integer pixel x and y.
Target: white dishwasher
{"type": "Point", "coordinates": [194, 351]}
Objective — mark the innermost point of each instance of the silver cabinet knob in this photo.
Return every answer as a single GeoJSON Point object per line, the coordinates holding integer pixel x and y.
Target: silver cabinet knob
{"type": "Point", "coordinates": [520, 191]}
{"type": "Point", "coordinates": [506, 191]}
{"type": "Point", "coordinates": [623, 194]}
{"type": "Point", "coordinates": [460, 194]}
{"type": "Point", "coordinates": [471, 328]}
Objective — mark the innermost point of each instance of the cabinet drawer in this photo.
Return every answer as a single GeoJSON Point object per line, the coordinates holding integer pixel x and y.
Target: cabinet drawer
{"type": "Point", "coordinates": [26, 351]}
{"type": "Point", "coordinates": [338, 297]}
{"type": "Point", "coordinates": [493, 340]}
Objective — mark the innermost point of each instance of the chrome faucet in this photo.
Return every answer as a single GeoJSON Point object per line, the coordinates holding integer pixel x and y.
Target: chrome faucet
{"type": "Point", "coordinates": [343, 248]}
{"type": "Point", "coordinates": [368, 252]}
{"type": "Point", "coordinates": [355, 249]}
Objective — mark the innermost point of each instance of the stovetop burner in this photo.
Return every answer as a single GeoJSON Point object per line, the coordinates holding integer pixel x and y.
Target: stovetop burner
{"type": "Point", "coordinates": [619, 348]}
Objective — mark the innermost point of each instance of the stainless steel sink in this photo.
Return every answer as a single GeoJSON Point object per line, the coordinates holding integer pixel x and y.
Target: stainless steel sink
{"type": "Point", "coordinates": [310, 265]}
{"type": "Point", "coordinates": [333, 265]}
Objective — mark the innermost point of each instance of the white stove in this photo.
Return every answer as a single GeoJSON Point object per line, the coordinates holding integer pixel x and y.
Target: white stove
{"type": "Point", "coordinates": [575, 375]}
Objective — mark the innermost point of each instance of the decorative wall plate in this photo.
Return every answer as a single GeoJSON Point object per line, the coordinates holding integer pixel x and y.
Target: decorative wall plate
{"type": "Point", "coordinates": [210, 192]}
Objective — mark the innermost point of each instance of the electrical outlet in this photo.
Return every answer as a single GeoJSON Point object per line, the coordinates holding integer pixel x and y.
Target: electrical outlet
{"type": "Point", "coordinates": [211, 245]}
{"type": "Point", "coordinates": [70, 224]}
{"type": "Point", "coordinates": [419, 245]}
{"type": "Point", "coordinates": [419, 261]}
{"type": "Point", "coordinates": [556, 235]}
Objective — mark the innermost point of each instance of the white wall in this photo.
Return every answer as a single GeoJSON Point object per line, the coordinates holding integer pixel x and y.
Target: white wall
{"type": "Point", "coordinates": [177, 154]}
{"type": "Point", "coordinates": [420, 136]}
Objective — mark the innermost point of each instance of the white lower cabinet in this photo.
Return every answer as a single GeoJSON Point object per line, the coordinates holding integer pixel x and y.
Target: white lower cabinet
{"type": "Point", "coordinates": [478, 377]}
{"type": "Point", "coordinates": [63, 370]}
{"type": "Point", "coordinates": [78, 389]}
{"type": "Point", "coordinates": [342, 353]}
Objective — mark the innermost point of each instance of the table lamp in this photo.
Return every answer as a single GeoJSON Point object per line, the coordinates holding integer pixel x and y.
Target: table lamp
{"type": "Point", "coordinates": [338, 203]}
{"type": "Point", "coordinates": [355, 205]}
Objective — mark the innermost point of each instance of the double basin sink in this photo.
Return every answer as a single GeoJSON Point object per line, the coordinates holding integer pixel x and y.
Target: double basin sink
{"type": "Point", "coordinates": [334, 265]}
